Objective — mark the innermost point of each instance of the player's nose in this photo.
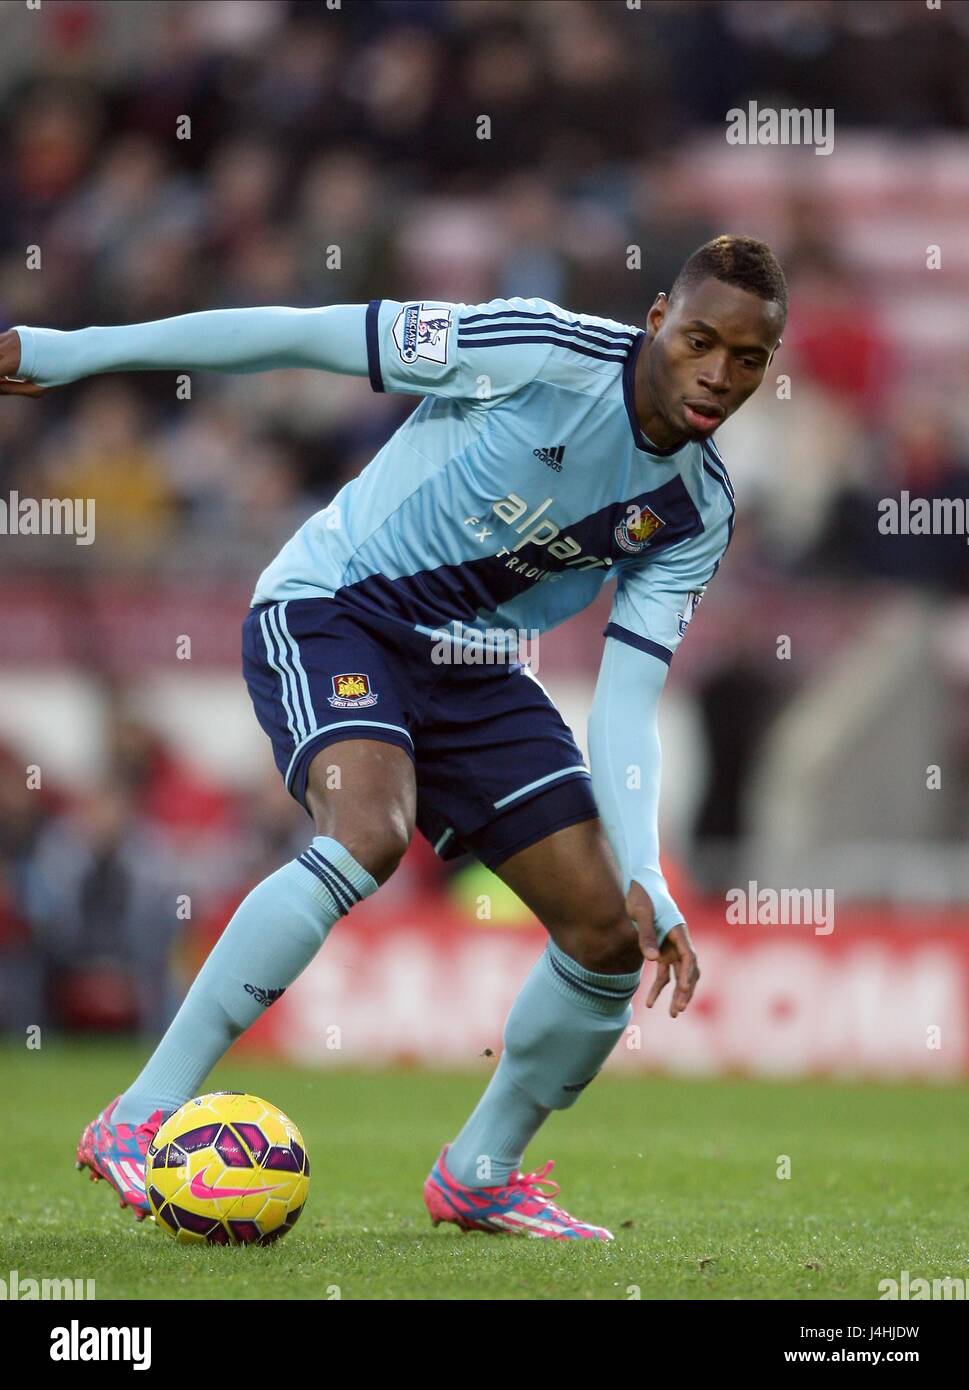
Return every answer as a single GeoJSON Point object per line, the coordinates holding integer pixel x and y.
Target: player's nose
{"type": "Point", "coordinates": [715, 378]}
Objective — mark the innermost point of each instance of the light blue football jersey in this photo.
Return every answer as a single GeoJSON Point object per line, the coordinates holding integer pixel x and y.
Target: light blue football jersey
{"type": "Point", "coordinates": [518, 487]}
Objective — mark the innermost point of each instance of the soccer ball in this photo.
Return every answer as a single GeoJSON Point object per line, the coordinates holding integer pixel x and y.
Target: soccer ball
{"type": "Point", "coordinates": [227, 1169]}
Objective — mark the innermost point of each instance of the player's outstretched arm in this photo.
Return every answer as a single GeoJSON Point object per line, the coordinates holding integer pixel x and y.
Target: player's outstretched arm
{"type": "Point", "coordinates": [625, 760]}
{"type": "Point", "coordinates": [332, 339]}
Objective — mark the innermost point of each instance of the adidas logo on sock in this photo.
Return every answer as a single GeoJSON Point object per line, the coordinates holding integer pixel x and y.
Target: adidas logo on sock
{"type": "Point", "coordinates": [265, 997]}
{"type": "Point", "coordinates": [579, 1085]}
{"type": "Point", "coordinates": [552, 456]}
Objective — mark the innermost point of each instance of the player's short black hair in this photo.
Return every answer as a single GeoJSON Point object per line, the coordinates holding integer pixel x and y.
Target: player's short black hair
{"type": "Point", "coordinates": [737, 260]}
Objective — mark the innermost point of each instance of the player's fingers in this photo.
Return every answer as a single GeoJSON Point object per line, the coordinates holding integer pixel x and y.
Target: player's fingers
{"type": "Point", "coordinates": [647, 933]}
{"type": "Point", "coordinates": [687, 975]}
{"type": "Point", "coordinates": [9, 387]}
{"type": "Point", "coordinates": [660, 982]}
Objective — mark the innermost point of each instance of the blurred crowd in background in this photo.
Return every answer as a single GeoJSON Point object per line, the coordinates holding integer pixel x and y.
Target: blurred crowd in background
{"type": "Point", "coordinates": [333, 157]}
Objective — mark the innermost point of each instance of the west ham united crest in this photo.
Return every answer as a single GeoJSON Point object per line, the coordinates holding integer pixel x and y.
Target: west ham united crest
{"type": "Point", "coordinates": [634, 533]}
{"type": "Point", "coordinates": [351, 691]}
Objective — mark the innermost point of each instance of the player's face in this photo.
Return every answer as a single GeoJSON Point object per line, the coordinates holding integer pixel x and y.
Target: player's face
{"type": "Point", "coordinates": [709, 352]}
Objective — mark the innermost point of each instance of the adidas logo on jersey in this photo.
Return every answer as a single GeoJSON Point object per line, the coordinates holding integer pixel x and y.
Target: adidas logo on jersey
{"type": "Point", "coordinates": [552, 457]}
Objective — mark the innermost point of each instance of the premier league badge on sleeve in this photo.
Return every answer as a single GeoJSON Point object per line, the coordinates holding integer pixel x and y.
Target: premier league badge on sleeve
{"type": "Point", "coordinates": [689, 608]}
{"type": "Point", "coordinates": [420, 331]}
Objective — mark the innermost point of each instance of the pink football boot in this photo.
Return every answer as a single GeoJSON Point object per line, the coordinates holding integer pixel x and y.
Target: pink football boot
{"type": "Point", "coordinates": [518, 1207]}
{"type": "Point", "coordinates": [117, 1152]}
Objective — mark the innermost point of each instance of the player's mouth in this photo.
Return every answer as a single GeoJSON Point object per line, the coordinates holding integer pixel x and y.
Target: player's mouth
{"type": "Point", "coordinates": [703, 416]}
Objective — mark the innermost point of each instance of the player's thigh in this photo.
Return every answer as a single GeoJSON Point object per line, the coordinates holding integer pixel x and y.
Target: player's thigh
{"type": "Point", "coordinates": [363, 793]}
{"type": "Point", "coordinates": [570, 880]}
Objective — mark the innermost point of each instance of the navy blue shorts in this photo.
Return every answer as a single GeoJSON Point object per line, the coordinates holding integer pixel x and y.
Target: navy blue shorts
{"type": "Point", "coordinates": [497, 766]}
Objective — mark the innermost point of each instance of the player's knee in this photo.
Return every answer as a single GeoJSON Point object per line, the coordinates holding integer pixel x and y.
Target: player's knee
{"type": "Point", "coordinates": [610, 948]}
{"type": "Point", "coordinates": [387, 849]}
{"type": "Point", "coordinates": [590, 924]}
{"type": "Point", "coordinates": [377, 843]}
{"type": "Point", "coordinates": [370, 811]}
{"type": "Point", "coordinates": [599, 936]}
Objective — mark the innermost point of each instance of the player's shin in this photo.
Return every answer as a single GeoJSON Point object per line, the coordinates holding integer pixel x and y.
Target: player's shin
{"type": "Point", "coordinates": [563, 1025]}
{"type": "Point", "coordinates": [273, 935]}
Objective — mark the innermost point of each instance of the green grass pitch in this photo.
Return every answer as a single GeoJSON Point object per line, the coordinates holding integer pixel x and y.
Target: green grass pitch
{"type": "Point", "coordinates": [684, 1172]}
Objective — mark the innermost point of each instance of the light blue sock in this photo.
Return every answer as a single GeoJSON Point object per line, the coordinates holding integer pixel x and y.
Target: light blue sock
{"type": "Point", "coordinates": [273, 935]}
{"type": "Point", "coordinates": [563, 1025]}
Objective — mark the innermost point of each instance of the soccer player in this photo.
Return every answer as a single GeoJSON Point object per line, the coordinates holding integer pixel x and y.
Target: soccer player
{"type": "Point", "coordinates": [554, 452]}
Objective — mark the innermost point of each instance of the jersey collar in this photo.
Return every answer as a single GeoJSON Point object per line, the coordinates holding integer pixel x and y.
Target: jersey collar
{"type": "Point", "coordinates": [629, 396]}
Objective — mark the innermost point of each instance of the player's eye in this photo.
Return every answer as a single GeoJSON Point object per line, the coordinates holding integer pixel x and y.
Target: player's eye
{"type": "Point", "coordinates": [696, 343]}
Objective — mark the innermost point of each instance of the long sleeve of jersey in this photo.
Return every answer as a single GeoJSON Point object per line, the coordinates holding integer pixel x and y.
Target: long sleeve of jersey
{"type": "Point", "coordinates": [654, 604]}
{"type": "Point", "coordinates": [333, 339]}
{"type": "Point", "coordinates": [625, 755]}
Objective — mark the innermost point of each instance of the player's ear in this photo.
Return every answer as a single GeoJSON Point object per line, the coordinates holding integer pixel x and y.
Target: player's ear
{"type": "Point", "coordinates": [657, 314]}
{"type": "Point", "coordinates": [773, 350]}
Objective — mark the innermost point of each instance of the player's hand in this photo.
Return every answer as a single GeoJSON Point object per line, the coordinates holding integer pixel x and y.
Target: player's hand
{"type": "Point", "coordinates": [639, 905]}
{"type": "Point", "coordinates": [678, 957]}
{"type": "Point", "coordinates": [676, 953]}
{"type": "Point", "coordinates": [10, 365]}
